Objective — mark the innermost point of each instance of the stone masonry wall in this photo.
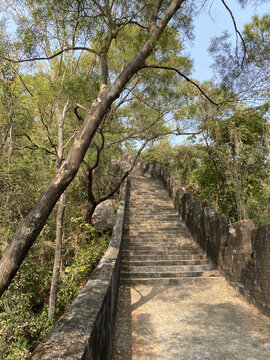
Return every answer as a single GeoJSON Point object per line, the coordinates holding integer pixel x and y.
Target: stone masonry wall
{"type": "Point", "coordinates": [85, 331]}
{"type": "Point", "coordinates": [241, 252]}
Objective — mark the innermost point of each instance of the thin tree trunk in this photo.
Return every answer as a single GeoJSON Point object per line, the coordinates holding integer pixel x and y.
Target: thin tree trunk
{"type": "Point", "coordinates": [36, 219]}
{"type": "Point", "coordinates": [60, 215]}
{"type": "Point", "coordinates": [8, 102]}
{"type": "Point", "coordinates": [57, 255]}
{"type": "Point", "coordinates": [218, 194]}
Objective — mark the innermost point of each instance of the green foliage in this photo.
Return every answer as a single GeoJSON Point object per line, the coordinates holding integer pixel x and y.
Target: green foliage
{"type": "Point", "coordinates": [85, 259]}
{"type": "Point", "coordinates": [245, 70]}
{"type": "Point", "coordinates": [231, 171]}
{"type": "Point", "coordinates": [161, 152]}
{"type": "Point", "coordinates": [24, 307]}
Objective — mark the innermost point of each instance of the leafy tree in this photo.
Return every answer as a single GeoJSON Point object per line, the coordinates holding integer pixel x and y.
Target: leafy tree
{"type": "Point", "coordinates": [109, 20]}
{"type": "Point", "coordinates": [229, 170]}
{"type": "Point", "coordinates": [245, 69]}
{"type": "Point", "coordinates": [239, 146]}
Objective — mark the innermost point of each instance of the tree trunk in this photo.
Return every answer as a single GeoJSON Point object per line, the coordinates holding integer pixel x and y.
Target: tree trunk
{"type": "Point", "coordinates": [36, 219]}
{"type": "Point", "coordinates": [57, 255]}
{"type": "Point", "coordinates": [60, 213]}
{"type": "Point", "coordinates": [90, 211]}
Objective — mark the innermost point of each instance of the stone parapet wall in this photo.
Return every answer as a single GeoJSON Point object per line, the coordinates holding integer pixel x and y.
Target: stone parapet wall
{"type": "Point", "coordinates": [86, 329]}
{"type": "Point", "coordinates": [239, 251]}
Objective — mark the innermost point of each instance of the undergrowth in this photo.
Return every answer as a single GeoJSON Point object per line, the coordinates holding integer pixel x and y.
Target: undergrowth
{"type": "Point", "coordinates": [24, 306]}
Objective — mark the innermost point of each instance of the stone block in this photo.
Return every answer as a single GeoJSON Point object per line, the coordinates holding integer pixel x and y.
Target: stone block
{"type": "Point", "coordinates": [103, 217]}
{"type": "Point", "coordinates": [186, 205]}
{"type": "Point", "coordinates": [240, 236]}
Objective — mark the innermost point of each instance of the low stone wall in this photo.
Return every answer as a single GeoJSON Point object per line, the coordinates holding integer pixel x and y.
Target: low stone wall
{"type": "Point", "coordinates": [241, 252]}
{"type": "Point", "coordinates": [85, 331]}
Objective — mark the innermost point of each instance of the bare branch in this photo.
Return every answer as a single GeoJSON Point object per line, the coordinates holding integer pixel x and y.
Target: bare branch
{"type": "Point", "coordinates": [37, 147]}
{"type": "Point", "coordinates": [131, 21]}
{"type": "Point", "coordinates": [52, 56]}
{"type": "Point", "coordinates": [70, 139]}
{"type": "Point", "coordinates": [184, 76]}
{"type": "Point", "coordinates": [47, 130]}
{"type": "Point", "coordinates": [237, 31]}
{"type": "Point", "coordinates": [143, 101]}
{"type": "Point", "coordinates": [81, 107]}
{"type": "Point", "coordinates": [99, 150]}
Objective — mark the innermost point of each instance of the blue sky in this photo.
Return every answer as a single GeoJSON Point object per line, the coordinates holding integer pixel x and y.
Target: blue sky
{"type": "Point", "coordinates": [207, 28]}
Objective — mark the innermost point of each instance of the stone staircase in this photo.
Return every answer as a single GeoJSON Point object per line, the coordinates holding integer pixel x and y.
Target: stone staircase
{"type": "Point", "coordinates": [157, 247]}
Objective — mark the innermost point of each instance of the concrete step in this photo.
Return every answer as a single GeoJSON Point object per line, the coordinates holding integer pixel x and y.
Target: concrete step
{"type": "Point", "coordinates": [159, 230]}
{"type": "Point", "coordinates": [155, 217]}
{"type": "Point", "coordinates": [151, 207]}
{"type": "Point", "coordinates": [148, 241]}
{"type": "Point", "coordinates": [149, 245]}
{"type": "Point", "coordinates": [162, 242]}
{"type": "Point", "coordinates": [158, 237]}
{"type": "Point", "coordinates": [164, 262]}
{"type": "Point", "coordinates": [155, 209]}
{"type": "Point", "coordinates": [153, 257]}
{"type": "Point", "coordinates": [154, 245]}
{"type": "Point", "coordinates": [170, 281]}
{"type": "Point", "coordinates": [160, 251]}
{"type": "Point", "coordinates": [169, 274]}
{"type": "Point", "coordinates": [154, 223]}
{"type": "Point", "coordinates": [156, 250]}
{"type": "Point", "coordinates": [176, 240]}
{"type": "Point", "coordinates": [165, 268]}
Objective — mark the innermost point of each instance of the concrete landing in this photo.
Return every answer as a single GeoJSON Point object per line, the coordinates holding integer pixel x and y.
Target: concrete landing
{"type": "Point", "coordinates": [205, 320]}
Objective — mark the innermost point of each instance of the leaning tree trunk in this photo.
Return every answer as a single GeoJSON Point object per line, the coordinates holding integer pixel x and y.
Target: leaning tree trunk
{"type": "Point", "coordinates": [36, 219]}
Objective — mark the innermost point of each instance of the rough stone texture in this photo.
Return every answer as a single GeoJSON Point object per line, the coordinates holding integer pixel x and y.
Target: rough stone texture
{"type": "Point", "coordinates": [241, 252]}
{"type": "Point", "coordinates": [103, 217]}
{"type": "Point", "coordinates": [85, 331]}
{"type": "Point", "coordinates": [189, 322]}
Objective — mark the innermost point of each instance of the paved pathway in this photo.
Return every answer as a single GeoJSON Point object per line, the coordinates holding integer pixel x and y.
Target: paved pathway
{"type": "Point", "coordinates": [172, 303]}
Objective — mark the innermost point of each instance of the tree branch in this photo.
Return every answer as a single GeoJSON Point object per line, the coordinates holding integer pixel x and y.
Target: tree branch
{"type": "Point", "coordinates": [47, 130]}
{"type": "Point", "coordinates": [25, 86]}
{"type": "Point", "coordinates": [154, 15]}
{"type": "Point", "coordinates": [70, 139]}
{"type": "Point", "coordinates": [112, 192]}
{"type": "Point", "coordinates": [237, 31]}
{"type": "Point", "coordinates": [51, 56]}
{"type": "Point", "coordinates": [37, 147]}
{"type": "Point", "coordinates": [182, 75]}
{"type": "Point", "coordinates": [99, 149]}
